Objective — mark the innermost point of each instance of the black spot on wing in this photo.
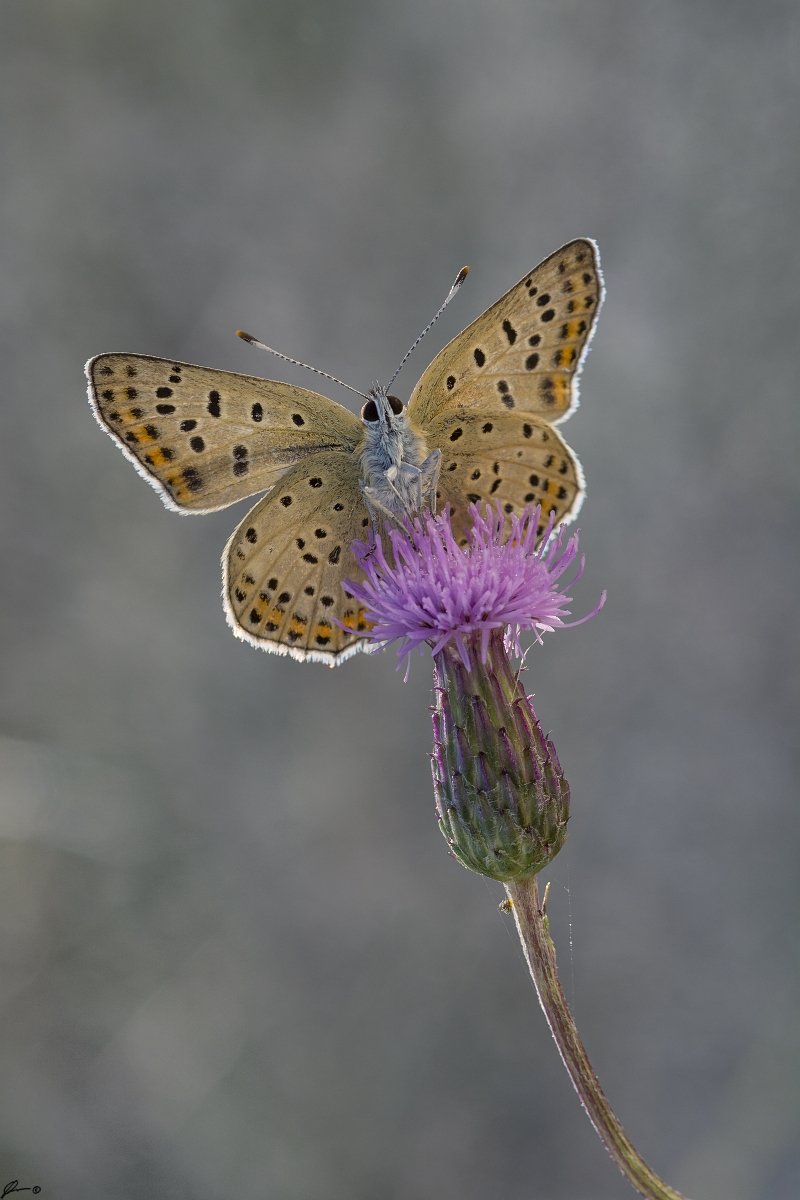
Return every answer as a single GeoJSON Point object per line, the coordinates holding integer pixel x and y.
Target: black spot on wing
{"type": "Point", "coordinates": [240, 466]}
{"type": "Point", "coordinates": [509, 331]}
{"type": "Point", "coordinates": [192, 478]}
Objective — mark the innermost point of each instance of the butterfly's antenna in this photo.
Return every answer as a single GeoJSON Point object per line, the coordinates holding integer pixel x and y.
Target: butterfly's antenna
{"type": "Point", "coordinates": [457, 282]}
{"type": "Point", "coordinates": [248, 337]}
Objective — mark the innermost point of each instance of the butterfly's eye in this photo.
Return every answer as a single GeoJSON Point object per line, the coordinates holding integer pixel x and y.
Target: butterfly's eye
{"type": "Point", "coordinates": [369, 412]}
{"type": "Point", "coordinates": [395, 405]}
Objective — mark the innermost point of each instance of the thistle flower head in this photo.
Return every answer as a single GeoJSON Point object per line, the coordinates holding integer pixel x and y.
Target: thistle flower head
{"type": "Point", "coordinates": [431, 589]}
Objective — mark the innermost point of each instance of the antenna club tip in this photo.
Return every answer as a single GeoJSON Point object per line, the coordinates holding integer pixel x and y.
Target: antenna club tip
{"type": "Point", "coordinates": [246, 337]}
{"type": "Point", "coordinates": [461, 276]}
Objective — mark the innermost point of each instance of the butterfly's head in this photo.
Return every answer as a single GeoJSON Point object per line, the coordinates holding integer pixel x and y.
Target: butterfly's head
{"type": "Point", "coordinates": [381, 409]}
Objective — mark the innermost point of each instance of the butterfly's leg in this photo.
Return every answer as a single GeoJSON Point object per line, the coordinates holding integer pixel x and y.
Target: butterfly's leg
{"type": "Point", "coordinates": [395, 497]}
{"type": "Point", "coordinates": [415, 487]}
{"type": "Point", "coordinates": [408, 490]}
{"type": "Point", "coordinates": [379, 512]}
{"type": "Point", "coordinates": [428, 479]}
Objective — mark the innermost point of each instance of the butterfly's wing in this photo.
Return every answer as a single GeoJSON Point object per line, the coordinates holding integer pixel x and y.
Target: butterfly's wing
{"type": "Point", "coordinates": [514, 458]}
{"type": "Point", "coordinates": [205, 438]}
{"type": "Point", "coordinates": [284, 565]}
{"type": "Point", "coordinates": [525, 352]}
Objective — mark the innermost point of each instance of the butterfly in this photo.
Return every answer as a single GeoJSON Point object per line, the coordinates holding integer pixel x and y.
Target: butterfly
{"type": "Point", "coordinates": [479, 427]}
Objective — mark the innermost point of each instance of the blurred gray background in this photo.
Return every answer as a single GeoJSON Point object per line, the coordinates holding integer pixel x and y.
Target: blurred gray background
{"type": "Point", "coordinates": [237, 960]}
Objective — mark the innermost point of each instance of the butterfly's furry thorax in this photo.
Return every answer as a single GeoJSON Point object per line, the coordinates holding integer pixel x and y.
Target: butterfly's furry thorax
{"type": "Point", "coordinates": [396, 470]}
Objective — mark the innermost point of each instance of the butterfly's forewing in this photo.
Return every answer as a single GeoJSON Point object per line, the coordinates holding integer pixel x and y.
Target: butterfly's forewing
{"type": "Point", "coordinates": [516, 459]}
{"type": "Point", "coordinates": [206, 438]}
{"type": "Point", "coordinates": [284, 565]}
{"type": "Point", "coordinates": [526, 351]}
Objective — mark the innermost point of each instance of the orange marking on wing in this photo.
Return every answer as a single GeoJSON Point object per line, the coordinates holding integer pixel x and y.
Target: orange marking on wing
{"type": "Point", "coordinates": [144, 433]}
{"type": "Point", "coordinates": [558, 387]}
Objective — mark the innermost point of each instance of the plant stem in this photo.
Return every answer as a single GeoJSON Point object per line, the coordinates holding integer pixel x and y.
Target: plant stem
{"type": "Point", "coordinates": [540, 953]}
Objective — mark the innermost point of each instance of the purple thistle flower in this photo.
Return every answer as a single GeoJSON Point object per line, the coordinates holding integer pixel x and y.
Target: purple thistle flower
{"type": "Point", "coordinates": [501, 796]}
{"type": "Point", "coordinates": [432, 590]}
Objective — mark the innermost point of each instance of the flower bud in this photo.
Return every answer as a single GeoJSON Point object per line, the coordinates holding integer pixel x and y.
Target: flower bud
{"type": "Point", "coordinates": [501, 797]}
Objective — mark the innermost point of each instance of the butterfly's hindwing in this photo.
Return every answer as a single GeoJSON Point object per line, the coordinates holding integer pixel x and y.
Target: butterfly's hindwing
{"type": "Point", "coordinates": [514, 459]}
{"type": "Point", "coordinates": [284, 566]}
{"type": "Point", "coordinates": [205, 439]}
{"type": "Point", "coordinates": [526, 351]}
